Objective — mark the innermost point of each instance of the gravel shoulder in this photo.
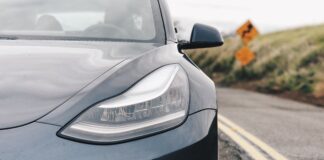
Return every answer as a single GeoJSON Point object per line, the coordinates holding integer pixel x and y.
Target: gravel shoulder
{"type": "Point", "coordinates": [228, 150]}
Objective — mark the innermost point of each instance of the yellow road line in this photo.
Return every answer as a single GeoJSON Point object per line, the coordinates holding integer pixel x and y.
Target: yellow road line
{"type": "Point", "coordinates": [251, 150]}
{"type": "Point", "coordinates": [262, 145]}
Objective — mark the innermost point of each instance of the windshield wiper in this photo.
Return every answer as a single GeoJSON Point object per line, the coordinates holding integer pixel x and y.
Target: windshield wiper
{"type": "Point", "coordinates": [8, 38]}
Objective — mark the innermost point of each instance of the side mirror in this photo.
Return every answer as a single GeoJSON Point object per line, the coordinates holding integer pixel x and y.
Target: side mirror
{"type": "Point", "coordinates": [203, 36]}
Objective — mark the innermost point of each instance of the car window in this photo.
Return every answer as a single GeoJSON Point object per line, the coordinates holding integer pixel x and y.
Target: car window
{"type": "Point", "coordinates": [106, 19]}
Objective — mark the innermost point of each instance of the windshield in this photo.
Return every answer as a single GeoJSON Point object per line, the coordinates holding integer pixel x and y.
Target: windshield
{"type": "Point", "coordinates": [131, 20]}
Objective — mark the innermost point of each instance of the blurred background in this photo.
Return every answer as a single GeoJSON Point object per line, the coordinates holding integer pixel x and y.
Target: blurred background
{"type": "Point", "coordinates": [268, 16]}
{"type": "Point", "coordinates": [289, 53]}
{"type": "Point", "coordinates": [271, 93]}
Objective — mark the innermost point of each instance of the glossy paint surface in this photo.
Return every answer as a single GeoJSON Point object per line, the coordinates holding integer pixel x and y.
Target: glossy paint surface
{"type": "Point", "coordinates": [125, 75]}
{"type": "Point", "coordinates": [44, 85]}
{"type": "Point", "coordinates": [36, 77]}
{"type": "Point", "coordinates": [38, 142]}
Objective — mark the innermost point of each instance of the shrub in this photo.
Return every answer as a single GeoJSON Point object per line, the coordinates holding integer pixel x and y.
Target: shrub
{"type": "Point", "coordinates": [312, 58]}
{"type": "Point", "coordinates": [294, 82]}
{"type": "Point", "coordinates": [225, 65]}
{"type": "Point", "coordinates": [245, 74]}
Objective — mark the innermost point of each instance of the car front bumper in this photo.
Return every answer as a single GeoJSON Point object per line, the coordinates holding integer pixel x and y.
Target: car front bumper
{"type": "Point", "coordinates": [195, 139]}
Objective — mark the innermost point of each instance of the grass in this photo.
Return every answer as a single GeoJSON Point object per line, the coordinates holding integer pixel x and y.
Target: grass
{"type": "Point", "coordinates": [286, 61]}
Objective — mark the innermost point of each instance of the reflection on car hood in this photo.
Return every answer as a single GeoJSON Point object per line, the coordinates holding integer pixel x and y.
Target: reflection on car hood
{"type": "Point", "coordinates": [38, 76]}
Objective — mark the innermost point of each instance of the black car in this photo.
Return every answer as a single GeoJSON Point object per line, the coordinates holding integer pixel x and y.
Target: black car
{"type": "Point", "coordinates": [102, 80]}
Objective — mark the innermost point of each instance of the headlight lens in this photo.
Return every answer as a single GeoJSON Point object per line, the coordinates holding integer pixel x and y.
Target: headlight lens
{"type": "Point", "coordinates": [156, 103]}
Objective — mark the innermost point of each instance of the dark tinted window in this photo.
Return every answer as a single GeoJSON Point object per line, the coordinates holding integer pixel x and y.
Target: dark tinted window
{"type": "Point", "coordinates": [101, 19]}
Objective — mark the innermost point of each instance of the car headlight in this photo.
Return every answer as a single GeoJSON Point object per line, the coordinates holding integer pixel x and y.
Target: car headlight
{"type": "Point", "coordinates": [156, 103]}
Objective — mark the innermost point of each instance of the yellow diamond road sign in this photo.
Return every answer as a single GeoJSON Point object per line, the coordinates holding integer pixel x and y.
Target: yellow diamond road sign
{"type": "Point", "coordinates": [245, 56]}
{"type": "Point", "coordinates": [247, 32]}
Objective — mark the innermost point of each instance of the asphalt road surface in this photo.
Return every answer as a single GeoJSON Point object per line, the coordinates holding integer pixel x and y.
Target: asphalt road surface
{"type": "Point", "coordinates": [268, 127]}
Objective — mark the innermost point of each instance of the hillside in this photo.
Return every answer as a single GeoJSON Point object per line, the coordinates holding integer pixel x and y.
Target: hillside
{"type": "Point", "coordinates": [288, 63]}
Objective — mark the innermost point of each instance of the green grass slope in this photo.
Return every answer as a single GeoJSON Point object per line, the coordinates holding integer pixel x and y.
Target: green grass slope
{"type": "Point", "coordinates": [286, 61]}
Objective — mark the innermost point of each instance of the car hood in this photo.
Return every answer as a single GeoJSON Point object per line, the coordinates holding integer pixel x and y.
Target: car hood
{"type": "Point", "coordinates": [38, 76]}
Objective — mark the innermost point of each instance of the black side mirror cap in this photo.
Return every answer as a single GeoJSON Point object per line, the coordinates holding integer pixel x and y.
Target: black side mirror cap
{"type": "Point", "coordinates": [203, 36]}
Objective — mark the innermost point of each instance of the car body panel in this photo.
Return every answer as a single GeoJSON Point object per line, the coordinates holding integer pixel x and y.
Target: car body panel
{"type": "Point", "coordinates": [38, 77]}
{"type": "Point", "coordinates": [126, 74]}
{"type": "Point", "coordinates": [124, 64]}
{"type": "Point", "coordinates": [168, 22]}
{"type": "Point", "coordinates": [38, 141]}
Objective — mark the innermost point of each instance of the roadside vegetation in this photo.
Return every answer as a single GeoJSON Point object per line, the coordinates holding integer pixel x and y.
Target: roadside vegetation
{"type": "Point", "coordinates": [288, 63]}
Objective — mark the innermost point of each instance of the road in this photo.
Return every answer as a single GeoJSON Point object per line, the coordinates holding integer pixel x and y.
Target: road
{"type": "Point", "coordinates": [228, 150]}
{"type": "Point", "coordinates": [275, 127]}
